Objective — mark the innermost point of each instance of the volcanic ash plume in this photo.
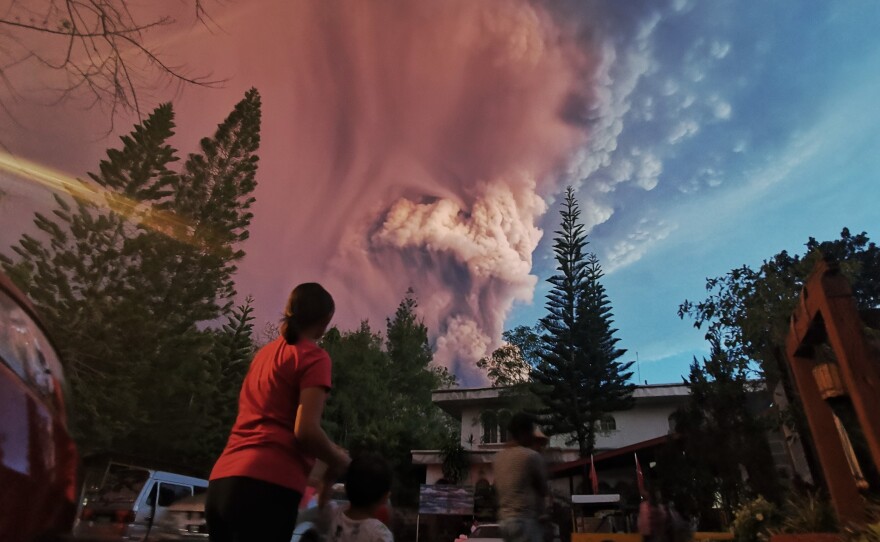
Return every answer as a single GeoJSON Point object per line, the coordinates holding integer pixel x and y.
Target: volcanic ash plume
{"type": "Point", "coordinates": [425, 134]}
{"type": "Point", "coordinates": [491, 245]}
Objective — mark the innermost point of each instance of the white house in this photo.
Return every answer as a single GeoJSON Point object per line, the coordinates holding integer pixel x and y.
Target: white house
{"type": "Point", "coordinates": [484, 413]}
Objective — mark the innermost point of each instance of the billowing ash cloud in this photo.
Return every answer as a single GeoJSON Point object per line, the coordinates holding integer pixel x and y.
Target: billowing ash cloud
{"type": "Point", "coordinates": [425, 132]}
{"type": "Point", "coordinates": [490, 245]}
{"type": "Point", "coordinates": [404, 144]}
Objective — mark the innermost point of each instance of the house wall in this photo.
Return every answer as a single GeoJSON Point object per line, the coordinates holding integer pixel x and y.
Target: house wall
{"type": "Point", "coordinates": [471, 428]}
{"type": "Point", "coordinates": [434, 473]}
{"type": "Point", "coordinates": [647, 420]}
{"type": "Point", "coordinates": [641, 423]}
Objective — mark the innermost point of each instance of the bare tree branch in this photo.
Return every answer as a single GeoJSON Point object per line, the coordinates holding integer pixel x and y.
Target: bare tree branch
{"type": "Point", "coordinates": [97, 46]}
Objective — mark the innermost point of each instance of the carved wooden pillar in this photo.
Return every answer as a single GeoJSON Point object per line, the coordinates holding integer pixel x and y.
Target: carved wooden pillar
{"type": "Point", "coordinates": [827, 312]}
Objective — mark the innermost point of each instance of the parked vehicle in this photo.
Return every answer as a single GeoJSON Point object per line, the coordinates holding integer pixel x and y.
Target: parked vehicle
{"type": "Point", "coordinates": [184, 520]}
{"type": "Point", "coordinates": [37, 455]}
{"type": "Point", "coordinates": [129, 501]}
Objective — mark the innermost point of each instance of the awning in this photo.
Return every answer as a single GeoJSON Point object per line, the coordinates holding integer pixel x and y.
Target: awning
{"type": "Point", "coordinates": [609, 459]}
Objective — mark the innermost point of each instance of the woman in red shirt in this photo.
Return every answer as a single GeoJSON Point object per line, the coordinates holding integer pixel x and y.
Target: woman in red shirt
{"type": "Point", "coordinates": [258, 481]}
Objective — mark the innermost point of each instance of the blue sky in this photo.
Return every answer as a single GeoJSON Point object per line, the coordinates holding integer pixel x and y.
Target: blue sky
{"type": "Point", "coordinates": [719, 134]}
{"type": "Point", "coordinates": [732, 130]}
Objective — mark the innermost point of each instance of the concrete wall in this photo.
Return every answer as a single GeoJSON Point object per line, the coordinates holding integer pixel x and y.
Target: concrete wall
{"type": "Point", "coordinates": [636, 425]}
{"type": "Point", "coordinates": [471, 427]}
{"type": "Point", "coordinates": [482, 470]}
{"type": "Point", "coordinates": [642, 423]}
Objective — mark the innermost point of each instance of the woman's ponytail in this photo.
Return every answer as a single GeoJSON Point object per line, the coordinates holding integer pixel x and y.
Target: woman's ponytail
{"type": "Point", "coordinates": [309, 304]}
{"type": "Point", "coordinates": [289, 330]}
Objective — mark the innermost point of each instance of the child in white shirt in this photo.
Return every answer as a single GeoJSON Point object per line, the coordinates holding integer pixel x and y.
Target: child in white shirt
{"type": "Point", "coordinates": [367, 485]}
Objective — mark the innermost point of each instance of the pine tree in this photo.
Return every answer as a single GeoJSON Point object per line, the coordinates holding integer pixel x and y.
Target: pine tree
{"type": "Point", "coordinates": [189, 267]}
{"type": "Point", "coordinates": [611, 389]}
{"type": "Point", "coordinates": [578, 378]}
{"type": "Point", "coordinates": [382, 394]}
{"type": "Point", "coordinates": [232, 350]}
{"type": "Point", "coordinates": [78, 277]}
{"type": "Point", "coordinates": [129, 270]}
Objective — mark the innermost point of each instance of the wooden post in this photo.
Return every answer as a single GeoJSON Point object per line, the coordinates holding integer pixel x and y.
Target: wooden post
{"type": "Point", "coordinates": [827, 310]}
{"type": "Point", "coordinates": [859, 372]}
{"type": "Point", "coordinates": [841, 484]}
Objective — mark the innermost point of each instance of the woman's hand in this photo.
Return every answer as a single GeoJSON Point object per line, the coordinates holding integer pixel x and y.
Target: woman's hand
{"type": "Point", "coordinates": [309, 434]}
{"type": "Point", "coordinates": [331, 476]}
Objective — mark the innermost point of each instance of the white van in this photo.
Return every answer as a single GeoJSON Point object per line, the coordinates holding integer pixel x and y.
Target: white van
{"type": "Point", "coordinates": [129, 500]}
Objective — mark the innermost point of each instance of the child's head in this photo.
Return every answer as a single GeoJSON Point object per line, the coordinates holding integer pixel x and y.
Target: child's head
{"type": "Point", "coordinates": [368, 481]}
{"type": "Point", "coordinates": [522, 429]}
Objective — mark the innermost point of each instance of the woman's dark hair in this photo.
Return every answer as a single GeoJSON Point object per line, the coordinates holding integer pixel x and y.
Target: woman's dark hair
{"type": "Point", "coordinates": [308, 304]}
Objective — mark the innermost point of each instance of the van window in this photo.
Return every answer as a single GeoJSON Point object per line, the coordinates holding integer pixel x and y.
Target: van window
{"type": "Point", "coordinates": [121, 486]}
{"type": "Point", "coordinates": [171, 493]}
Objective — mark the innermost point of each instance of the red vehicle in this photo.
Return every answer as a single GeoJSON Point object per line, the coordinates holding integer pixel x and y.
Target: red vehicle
{"type": "Point", "coordinates": [37, 455]}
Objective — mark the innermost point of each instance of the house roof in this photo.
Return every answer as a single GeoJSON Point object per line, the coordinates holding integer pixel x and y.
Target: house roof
{"type": "Point", "coordinates": [611, 458]}
{"type": "Point", "coordinates": [454, 400]}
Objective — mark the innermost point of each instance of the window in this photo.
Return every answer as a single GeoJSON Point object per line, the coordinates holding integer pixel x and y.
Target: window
{"type": "Point", "coordinates": [171, 493]}
{"type": "Point", "coordinates": [495, 424]}
{"type": "Point", "coordinates": [607, 424]}
{"type": "Point", "coordinates": [503, 421]}
{"type": "Point", "coordinates": [121, 485]}
{"type": "Point", "coordinates": [490, 427]}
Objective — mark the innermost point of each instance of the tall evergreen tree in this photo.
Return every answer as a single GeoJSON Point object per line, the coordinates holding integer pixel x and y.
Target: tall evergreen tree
{"type": "Point", "coordinates": [78, 275]}
{"type": "Point", "coordinates": [578, 378]}
{"type": "Point", "coordinates": [612, 389]}
{"type": "Point", "coordinates": [129, 270]}
{"type": "Point", "coordinates": [232, 350]}
{"type": "Point", "coordinates": [382, 393]}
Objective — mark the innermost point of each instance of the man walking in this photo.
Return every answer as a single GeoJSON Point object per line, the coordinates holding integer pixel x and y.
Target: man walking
{"type": "Point", "coordinates": [521, 481]}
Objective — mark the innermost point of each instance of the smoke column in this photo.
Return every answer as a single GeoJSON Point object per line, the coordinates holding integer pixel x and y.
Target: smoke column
{"type": "Point", "coordinates": [424, 137]}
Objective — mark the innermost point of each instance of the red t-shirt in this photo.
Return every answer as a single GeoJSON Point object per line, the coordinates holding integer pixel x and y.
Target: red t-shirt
{"type": "Point", "coordinates": [263, 444]}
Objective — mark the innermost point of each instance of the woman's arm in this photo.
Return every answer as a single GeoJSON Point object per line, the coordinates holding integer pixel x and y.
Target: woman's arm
{"type": "Point", "coordinates": [311, 436]}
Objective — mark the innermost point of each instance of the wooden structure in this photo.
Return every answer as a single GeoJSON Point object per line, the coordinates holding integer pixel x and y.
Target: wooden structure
{"type": "Point", "coordinates": [833, 366]}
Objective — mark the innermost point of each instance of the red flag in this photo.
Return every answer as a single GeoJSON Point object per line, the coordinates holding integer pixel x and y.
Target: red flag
{"type": "Point", "coordinates": [640, 477]}
{"type": "Point", "coordinates": [593, 477]}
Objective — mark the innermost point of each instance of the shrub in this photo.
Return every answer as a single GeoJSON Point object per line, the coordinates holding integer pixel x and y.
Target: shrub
{"type": "Point", "coordinates": [755, 520]}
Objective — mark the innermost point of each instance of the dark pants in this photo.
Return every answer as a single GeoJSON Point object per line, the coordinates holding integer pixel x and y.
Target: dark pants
{"type": "Point", "coordinates": [241, 509]}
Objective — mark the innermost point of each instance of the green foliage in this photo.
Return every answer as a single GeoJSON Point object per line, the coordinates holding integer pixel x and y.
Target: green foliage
{"type": "Point", "coordinates": [381, 399]}
{"type": "Point", "coordinates": [128, 269]}
{"type": "Point", "coordinates": [506, 366]}
{"type": "Point", "coordinates": [527, 340]}
{"type": "Point", "coordinates": [456, 462]}
{"type": "Point", "coordinates": [750, 308]}
{"type": "Point", "coordinates": [746, 316]}
{"type": "Point", "coordinates": [808, 513]}
{"type": "Point", "coordinates": [232, 350]}
{"type": "Point", "coordinates": [578, 377]}
{"type": "Point", "coordinates": [719, 416]}
{"type": "Point", "coordinates": [755, 519]}
{"type": "Point", "coordinates": [511, 363]}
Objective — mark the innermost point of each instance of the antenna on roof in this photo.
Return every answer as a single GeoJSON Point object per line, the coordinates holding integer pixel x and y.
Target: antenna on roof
{"type": "Point", "coordinates": [639, 367]}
